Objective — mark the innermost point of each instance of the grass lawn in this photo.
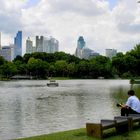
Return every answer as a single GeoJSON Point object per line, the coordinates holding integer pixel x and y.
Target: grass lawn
{"type": "Point", "coordinates": [80, 134]}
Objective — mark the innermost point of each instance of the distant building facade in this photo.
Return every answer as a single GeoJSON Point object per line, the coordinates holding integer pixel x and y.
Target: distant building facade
{"type": "Point", "coordinates": [39, 43]}
{"type": "Point", "coordinates": [29, 46]}
{"type": "Point", "coordinates": [18, 44]}
{"type": "Point", "coordinates": [47, 44]}
{"type": "Point", "coordinates": [80, 45]}
{"type": "Point", "coordinates": [111, 53]}
{"type": "Point", "coordinates": [7, 52]}
{"type": "Point", "coordinates": [0, 40]}
{"type": "Point", "coordinates": [82, 51]}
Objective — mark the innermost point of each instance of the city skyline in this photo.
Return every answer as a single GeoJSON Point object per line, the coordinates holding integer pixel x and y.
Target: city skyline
{"type": "Point", "coordinates": [103, 23]}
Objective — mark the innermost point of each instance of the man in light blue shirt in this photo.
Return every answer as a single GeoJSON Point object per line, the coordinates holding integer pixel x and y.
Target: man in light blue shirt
{"type": "Point", "coordinates": [132, 105]}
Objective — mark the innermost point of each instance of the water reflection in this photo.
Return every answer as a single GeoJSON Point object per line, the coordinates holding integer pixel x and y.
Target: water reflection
{"type": "Point", "coordinates": [31, 108]}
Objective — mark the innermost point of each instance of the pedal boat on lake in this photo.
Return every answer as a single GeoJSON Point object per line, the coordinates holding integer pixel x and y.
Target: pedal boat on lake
{"type": "Point", "coordinates": [52, 83]}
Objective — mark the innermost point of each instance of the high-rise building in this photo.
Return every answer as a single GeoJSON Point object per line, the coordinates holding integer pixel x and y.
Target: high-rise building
{"type": "Point", "coordinates": [0, 40]}
{"type": "Point", "coordinates": [111, 53]}
{"type": "Point", "coordinates": [80, 45]}
{"type": "Point", "coordinates": [39, 43]}
{"type": "Point", "coordinates": [18, 44]}
{"type": "Point", "coordinates": [8, 52]}
{"type": "Point", "coordinates": [88, 53]}
{"type": "Point", "coordinates": [82, 51]}
{"type": "Point", "coordinates": [48, 45]}
{"type": "Point", "coordinates": [0, 44]}
{"type": "Point", "coordinates": [51, 45]}
{"type": "Point", "coordinates": [29, 46]}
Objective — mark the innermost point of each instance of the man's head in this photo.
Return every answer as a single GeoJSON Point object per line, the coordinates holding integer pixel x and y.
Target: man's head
{"type": "Point", "coordinates": [131, 92]}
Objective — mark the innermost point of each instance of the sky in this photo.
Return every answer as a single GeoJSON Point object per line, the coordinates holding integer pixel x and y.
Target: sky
{"type": "Point", "coordinates": [104, 24]}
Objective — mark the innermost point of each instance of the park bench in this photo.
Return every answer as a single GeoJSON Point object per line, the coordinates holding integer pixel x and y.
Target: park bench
{"type": "Point", "coordinates": [121, 124]}
{"type": "Point", "coordinates": [96, 129]}
{"type": "Point", "coordinates": [135, 119]}
{"type": "Point", "coordinates": [132, 118]}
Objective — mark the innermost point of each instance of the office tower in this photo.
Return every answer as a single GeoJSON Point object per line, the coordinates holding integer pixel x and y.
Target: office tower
{"type": "Point", "coordinates": [0, 40]}
{"type": "Point", "coordinates": [29, 46]}
{"type": "Point", "coordinates": [88, 53]}
{"type": "Point", "coordinates": [111, 53]}
{"type": "Point", "coordinates": [80, 45]}
{"type": "Point", "coordinates": [18, 44]}
{"type": "Point", "coordinates": [39, 43]}
{"type": "Point", "coordinates": [51, 45]}
{"type": "Point", "coordinates": [8, 52]}
{"type": "Point", "coordinates": [0, 45]}
{"type": "Point", "coordinates": [48, 45]}
{"type": "Point", "coordinates": [82, 51]}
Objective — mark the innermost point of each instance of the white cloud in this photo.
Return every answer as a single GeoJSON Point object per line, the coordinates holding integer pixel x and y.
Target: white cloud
{"type": "Point", "coordinates": [102, 28]}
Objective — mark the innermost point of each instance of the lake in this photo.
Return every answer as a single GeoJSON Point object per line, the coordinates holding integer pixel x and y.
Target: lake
{"type": "Point", "coordinates": [29, 107]}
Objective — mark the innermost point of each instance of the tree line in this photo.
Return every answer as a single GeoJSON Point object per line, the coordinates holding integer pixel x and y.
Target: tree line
{"type": "Point", "coordinates": [60, 64]}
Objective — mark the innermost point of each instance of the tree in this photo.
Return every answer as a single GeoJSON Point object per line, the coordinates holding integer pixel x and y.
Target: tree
{"type": "Point", "coordinates": [38, 68]}
{"type": "Point", "coordinates": [83, 69]}
{"type": "Point", "coordinates": [8, 69]}
{"type": "Point", "coordinates": [18, 58]}
{"type": "Point", "coordinates": [2, 60]}
{"type": "Point", "coordinates": [118, 64]}
{"type": "Point", "coordinates": [61, 67]}
{"type": "Point", "coordinates": [100, 67]}
{"type": "Point", "coordinates": [71, 69]}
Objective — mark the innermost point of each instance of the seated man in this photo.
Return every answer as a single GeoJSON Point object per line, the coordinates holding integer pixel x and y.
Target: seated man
{"type": "Point", "coordinates": [132, 105]}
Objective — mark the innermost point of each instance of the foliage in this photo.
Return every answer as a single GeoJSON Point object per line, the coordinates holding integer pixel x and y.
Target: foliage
{"type": "Point", "coordinates": [60, 64]}
{"type": "Point", "coordinates": [8, 69]}
{"type": "Point", "coordinates": [128, 64]}
{"type": "Point", "coordinates": [2, 60]}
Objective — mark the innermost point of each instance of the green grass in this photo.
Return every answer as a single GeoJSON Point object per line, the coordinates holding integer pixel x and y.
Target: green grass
{"type": "Point", "coordinates": [80, 134]}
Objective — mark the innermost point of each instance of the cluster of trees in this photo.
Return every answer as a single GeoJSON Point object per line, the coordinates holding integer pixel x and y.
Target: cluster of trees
{"type": "Point", "coordinates": [60, 64]}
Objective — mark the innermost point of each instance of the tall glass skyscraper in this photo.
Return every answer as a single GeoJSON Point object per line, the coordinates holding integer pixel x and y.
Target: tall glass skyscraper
{"type": "Point", "coordinates": [18, 44]}
{"type": "Point", "coordinates": [81, 43]}
{"type": "Point", "coordinates": [82, 51]}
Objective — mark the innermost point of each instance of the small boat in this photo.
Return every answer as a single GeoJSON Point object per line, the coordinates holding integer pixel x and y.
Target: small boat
{"type": "Point", "coordinates": [52, 83]}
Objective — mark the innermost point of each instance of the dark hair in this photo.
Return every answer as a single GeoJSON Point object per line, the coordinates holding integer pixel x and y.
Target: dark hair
{"type": "Point", "coordinates": [131, 92]}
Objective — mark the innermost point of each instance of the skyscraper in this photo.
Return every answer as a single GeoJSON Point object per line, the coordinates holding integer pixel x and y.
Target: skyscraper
{"type": "Point", "coordinates": [46, 44]}
{"type": "Point", "coordinates": [0, 40]}
{"type": "Point", "coordinates": [7, 52]}
{"type": "Point", "coordinates": [39, 43]}
{"type": "Point", "coordinates": [29, 46]}
{"type": "Point", "coordinates": [0, 45]}
{"type": "Point", "coordinates": [82, 51]}
{"type": "Point", "coordinates": [18, 44]}
{"type": "Point", "coordinates": [51, 45]}
{"type": "Point", "coordinates": [80, 45]}
{"type": "Point", "coordinates": [111, 53]}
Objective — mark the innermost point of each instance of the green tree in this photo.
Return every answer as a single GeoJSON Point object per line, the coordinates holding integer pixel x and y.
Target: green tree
{"type": "Point", "coordinates": [61, 67]}
{"type": "Point", "coordinates": [2, 60]}
{"type": "Point", "coordinates": [83, 69]}
{"type": "Point", "coordinates": [100, 67]}
{"type": "Point", "coordinates": [8, 69]}
{"type": "Point", "coordinates": [71, 69]}
{"type": "Point", "coordinates": [38, 68]}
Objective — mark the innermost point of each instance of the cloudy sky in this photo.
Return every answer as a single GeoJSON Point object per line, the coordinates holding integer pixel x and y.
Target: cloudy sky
{"type": "Point", "coordinates": [103, 23]}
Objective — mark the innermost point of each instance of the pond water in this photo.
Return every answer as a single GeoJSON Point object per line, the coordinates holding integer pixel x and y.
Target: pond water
{"type": "Point", "coordinates": [29, 107]}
